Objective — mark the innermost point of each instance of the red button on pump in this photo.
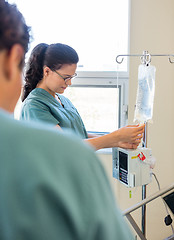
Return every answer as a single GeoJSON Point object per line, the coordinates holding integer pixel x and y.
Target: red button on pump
{"type": "Point", "coordinates": [141, 156]}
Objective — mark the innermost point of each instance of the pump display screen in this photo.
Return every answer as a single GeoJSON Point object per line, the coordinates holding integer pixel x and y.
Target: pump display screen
{"type": "Point", "coordinates": [123, 160]}
{"type": "Point", "coordinates": [169, 199]}
{"type": "Point", "coordinates": [123, 167]}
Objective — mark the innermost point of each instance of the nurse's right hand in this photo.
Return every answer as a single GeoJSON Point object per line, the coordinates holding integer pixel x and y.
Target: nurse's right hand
{"type": "Point", "coordinates": [131, 133]}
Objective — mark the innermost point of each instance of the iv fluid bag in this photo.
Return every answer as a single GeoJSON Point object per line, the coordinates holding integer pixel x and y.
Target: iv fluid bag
{"type": "Point", "coordinates": [145, 93]}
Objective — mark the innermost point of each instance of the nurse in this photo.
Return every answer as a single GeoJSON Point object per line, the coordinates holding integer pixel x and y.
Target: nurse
{"type": "Point", "coordinates": [49, 72]}
{"type": "Point", "coordinates": [46, 192]}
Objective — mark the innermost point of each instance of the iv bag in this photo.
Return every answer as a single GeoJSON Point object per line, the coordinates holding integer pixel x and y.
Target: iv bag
{"type": "Point", "coordinates": [145, 93]}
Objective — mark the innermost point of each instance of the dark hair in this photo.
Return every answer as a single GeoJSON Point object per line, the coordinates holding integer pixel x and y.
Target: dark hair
{"type": "Point", "coordinates": [52, 56]}
{"type": "Point", "coordinates": [13, 29]}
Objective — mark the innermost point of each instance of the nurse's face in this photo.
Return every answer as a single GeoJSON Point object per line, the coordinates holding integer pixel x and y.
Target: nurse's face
{"type": "Point", "coordinates": [57, 81]}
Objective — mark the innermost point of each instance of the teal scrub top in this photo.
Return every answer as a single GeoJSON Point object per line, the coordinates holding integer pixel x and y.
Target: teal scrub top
{"type": "Point", "coordinates": [42, 106]}
{"type": "Point", "coordinates": [48, 191]}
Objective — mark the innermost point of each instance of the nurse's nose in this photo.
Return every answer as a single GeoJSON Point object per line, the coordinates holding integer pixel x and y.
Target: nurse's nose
{"type": "Point", "coordinates": [68, 82]}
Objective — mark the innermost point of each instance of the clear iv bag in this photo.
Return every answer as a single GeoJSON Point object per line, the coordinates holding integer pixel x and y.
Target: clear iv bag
{"type": "Point", "coordinates": [145, 93]}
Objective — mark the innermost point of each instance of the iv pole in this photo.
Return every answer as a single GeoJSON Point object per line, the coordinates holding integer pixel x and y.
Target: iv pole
{"type": "Point", "coordinates": [145, 59]}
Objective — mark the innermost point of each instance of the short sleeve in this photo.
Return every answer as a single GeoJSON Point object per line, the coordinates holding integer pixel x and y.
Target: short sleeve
{"type": "Point", "coordinates": [38, 112]}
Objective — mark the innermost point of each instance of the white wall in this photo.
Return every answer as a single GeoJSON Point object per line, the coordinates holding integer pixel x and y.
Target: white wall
{"type": "Point", "coordinates": [152, 29]}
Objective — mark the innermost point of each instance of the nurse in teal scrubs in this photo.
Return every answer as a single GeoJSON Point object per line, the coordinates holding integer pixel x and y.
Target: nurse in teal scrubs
{"type": "Point", "coordinates": [50, 71]}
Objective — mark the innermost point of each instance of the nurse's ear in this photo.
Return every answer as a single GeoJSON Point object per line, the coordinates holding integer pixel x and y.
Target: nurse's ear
{"type": "Point", "coordinates": [10, 76]}
{"type": "Point", "coordinates": [13, 60]}
{"type": "Point", "coordinates": [46, 71]}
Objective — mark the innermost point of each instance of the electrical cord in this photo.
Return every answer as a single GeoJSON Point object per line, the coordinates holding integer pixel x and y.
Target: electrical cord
{"type": "Point", "coordinates": [167, 219]}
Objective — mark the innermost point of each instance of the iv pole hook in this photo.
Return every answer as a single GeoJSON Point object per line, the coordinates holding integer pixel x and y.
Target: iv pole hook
{"type": "Point", "coordinates": [145, 58]}
{"type": "Point", "coordinates": [119, 62]}
{"type": "Point", "coordinates": [171, 60]}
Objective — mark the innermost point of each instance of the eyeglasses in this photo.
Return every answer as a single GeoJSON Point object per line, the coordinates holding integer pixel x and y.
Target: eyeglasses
{"type": "Point", "coordinates": [66, 78]}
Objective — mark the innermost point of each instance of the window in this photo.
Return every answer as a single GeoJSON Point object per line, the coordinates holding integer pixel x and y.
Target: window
{"type": "Point", "coordinates": [98, 31]}
{"type": "Point", "coordinates": [100, 113]}
{"type": "Point", "coordinates": [101, 102]}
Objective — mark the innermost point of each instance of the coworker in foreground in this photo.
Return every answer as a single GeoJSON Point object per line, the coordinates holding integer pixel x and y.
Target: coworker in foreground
{"type": "Point", "coordinates": [46, 192]}
{"type": "Point", "coordinates": [49, 72]}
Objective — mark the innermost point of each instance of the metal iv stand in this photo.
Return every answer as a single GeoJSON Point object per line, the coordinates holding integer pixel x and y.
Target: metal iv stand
{"type": "Point", "coordinates": [145, 59]}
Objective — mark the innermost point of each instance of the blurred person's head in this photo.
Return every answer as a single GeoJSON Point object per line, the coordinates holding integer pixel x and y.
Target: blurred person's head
{"type": "Point", "coordinates": [14, 40]}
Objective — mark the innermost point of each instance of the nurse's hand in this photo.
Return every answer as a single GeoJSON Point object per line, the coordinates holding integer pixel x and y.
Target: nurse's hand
{"type": "Point", "coordinates": [130, 134]}
{"type": "Point", "coordinates": [126, 137]}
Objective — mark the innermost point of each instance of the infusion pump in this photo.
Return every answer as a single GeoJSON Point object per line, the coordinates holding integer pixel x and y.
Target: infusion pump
{"type": "Point", "coordinates": [132, 166]}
